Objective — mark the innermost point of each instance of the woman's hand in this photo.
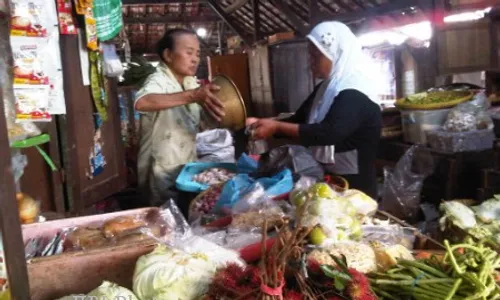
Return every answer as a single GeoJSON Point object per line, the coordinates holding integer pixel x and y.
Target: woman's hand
{"type": "Point", "coordinates": [262, 129]}
{"type": "Point", "coordinates": [204, 96]}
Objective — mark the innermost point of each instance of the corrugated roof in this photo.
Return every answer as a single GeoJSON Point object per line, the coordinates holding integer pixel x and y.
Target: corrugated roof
{"type": "Point", "coordinates": [146, 23]}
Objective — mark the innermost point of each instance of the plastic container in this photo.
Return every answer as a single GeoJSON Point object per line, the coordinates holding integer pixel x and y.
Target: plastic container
{"type": "Point", "coordinates": [477, 140]}
{"type": "Point", "coordinates": [185, 181]}
{"type": "Point", "coordinates": [416, 123]}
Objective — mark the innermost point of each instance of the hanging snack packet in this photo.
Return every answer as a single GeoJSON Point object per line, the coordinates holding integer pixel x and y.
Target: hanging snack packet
{"type": "Point", "coordinates": [66, 21]}
{"type": "Point", "coordinates": [32, 102]}
{"type": "Point", "coordinates": [28, 61]}
{"type": "Point", "coordinates": [91, 30]}
{"type": "Point", "coordinates": [33, 18]}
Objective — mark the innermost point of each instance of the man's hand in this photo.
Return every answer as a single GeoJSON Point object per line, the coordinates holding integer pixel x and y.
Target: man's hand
{"type": "Point", "coordinates": [262, 129]}
{"type": "Point", "coordinates": [204, 96]}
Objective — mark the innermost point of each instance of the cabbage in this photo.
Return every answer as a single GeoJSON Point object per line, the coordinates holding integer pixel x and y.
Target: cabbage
{"type": "Point", "coordinates": [362, 203]}
{"type": "Point", "coordinates": [109, 290]}
{"type": "Point", "coordinates": [457, 214]}
{"type": "Point", "coordinates": [168, 273]}
{"type": "Point", "coordinates": [489, 211]}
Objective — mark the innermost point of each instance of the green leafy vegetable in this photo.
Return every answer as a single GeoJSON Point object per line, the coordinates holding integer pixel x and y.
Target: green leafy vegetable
{"type": "Point", "coordinates": [109, 290]}
{"type": "Point", "coordinates": [457, 214]}
{"type": "Point", "coordinates": [172, 274]}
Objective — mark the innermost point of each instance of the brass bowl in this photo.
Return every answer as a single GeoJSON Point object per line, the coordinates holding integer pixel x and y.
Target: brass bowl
{"type": "Point", "coordinates": [234, 106]}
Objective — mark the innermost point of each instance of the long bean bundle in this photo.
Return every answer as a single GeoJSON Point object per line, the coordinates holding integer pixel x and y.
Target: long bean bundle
{"type": "Point", "coordinates": [467, 271]}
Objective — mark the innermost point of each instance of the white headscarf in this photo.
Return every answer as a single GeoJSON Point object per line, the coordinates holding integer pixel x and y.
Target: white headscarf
{"type": "Point", "coordinates": [351, 67]}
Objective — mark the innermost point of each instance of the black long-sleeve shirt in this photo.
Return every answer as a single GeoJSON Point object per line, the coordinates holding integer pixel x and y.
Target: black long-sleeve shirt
{"type": "Point", "coordinates": [353, 122]}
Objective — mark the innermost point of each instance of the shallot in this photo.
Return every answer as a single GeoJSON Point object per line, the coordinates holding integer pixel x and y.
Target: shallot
{"type": "Point", "coordinates": [213, 176]}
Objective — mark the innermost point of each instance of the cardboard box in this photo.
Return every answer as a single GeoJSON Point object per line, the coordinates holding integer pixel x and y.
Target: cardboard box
{"type": "Point", "coordinates": [281, 36]}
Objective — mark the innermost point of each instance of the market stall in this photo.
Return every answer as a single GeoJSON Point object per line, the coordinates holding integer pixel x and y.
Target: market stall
{"type": "Point", "coordinates": [268, 224]}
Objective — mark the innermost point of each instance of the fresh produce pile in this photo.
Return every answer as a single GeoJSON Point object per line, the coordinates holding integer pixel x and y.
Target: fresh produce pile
{"type": "Point", "coordinates": [213, 176]}
{"type": "Point", "coordinates": [467, 271]}
{"type": "Point", "coordinates": [433, 100]}
{"type": "Point", "coordinates": [482, 222]}
{"type": "Point", "coordinates": [334, 216]}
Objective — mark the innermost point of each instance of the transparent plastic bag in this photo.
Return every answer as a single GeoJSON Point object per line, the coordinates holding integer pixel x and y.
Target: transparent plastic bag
{"type": "Point", "coordinates": [232, 238]}
{"type": "Point", "coordinates": [19, 162]}
{"type": "Point", "coordinates": [112, 65]}
{"type": "Point", "coordinates": [389, 235]}
{"type": "Point", "coordinates": [255, 197]}
{"type": "Point", "coordinates": [470, 116]}
{"type": "Point", "coordinates": [403, 184]}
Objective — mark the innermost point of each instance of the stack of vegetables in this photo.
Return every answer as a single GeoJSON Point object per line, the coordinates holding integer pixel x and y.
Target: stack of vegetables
{"type": "Point", "coordinates": [467, 271]}
{"type": "Point", "coordinates": [482, 222]}
{"type": "Point", "coordinates": [334, 216]}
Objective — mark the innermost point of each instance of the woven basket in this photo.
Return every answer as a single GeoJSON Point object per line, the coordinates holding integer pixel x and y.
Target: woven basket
{"type": "Point", "coordinates": [402, 103]}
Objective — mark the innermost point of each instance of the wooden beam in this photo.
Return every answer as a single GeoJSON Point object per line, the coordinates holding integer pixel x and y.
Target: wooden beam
{"type": "Point", "coordinates": [213, 4]}
{"type": "Point", "coordinates": [313, 13]}
{"type": "Point", "coordinates": [171, 19]}
{"type": "Point", "coordinates": [10, 225]}
{"type": "Point", "coordinates": [257, 34]}
{"type": "Point", "coordinates": [299, 25]}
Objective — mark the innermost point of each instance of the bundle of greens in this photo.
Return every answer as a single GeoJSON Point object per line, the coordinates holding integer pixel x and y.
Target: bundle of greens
{"type": "Point", "coordinates": [137, 71]}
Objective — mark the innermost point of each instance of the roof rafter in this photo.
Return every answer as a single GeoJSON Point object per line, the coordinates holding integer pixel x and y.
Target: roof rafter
{"type": "Point", "coordinates": [375, 11]}
{"type": "Point", "coordinates": [171, 19]}
{"type": "Point", "coordinates": [277, 16]}
{"type": "Point", "coordinates": [296, 21]}
{"type": "Point", "coordinates": [226, 19]}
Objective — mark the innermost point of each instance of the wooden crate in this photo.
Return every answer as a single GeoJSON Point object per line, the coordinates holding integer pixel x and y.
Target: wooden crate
{"type": "Point", "coordinates": [79, 273]}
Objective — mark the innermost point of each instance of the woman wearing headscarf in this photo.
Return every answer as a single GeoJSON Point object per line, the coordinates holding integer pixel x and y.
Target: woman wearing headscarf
{"type": "Point", "coordinates": [170, 102]}
{"type": "Point", "coordinates": [341, 120]}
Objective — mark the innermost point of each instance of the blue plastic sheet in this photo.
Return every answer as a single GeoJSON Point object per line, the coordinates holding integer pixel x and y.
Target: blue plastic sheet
{"type": "Point", "coordinates": [242, 184]}
{"type": "Point", "coordinates": [247, 165]}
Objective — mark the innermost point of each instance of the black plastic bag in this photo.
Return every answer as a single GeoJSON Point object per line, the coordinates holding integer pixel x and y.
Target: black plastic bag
{"type": "Point", "coordinates": [296, 158]}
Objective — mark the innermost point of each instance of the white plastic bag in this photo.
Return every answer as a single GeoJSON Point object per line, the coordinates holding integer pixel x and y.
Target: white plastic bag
{"type": "Point", "coordinates": [112, 65]}
{"type": "Point", "coordinates": [215, 146]}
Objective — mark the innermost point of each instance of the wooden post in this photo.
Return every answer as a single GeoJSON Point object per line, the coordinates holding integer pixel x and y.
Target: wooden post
{"type": "Point", "coordinates": [257, 35]}
{"type": "Point", "coordinates": [10, 224]}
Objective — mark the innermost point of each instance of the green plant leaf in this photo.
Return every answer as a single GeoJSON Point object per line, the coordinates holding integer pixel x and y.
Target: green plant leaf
{"type": "Point", "coordinates": [335, 274]}
{"type": "Point", "coordinates": [341, 263]}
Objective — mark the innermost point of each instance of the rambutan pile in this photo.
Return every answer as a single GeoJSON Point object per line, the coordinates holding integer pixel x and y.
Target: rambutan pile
{"type": "Point", "coordinates": [359, 287]}
{"type": "Point", "coordinates": [234, 282]}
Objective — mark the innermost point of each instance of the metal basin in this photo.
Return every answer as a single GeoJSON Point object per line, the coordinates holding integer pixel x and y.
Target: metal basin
{"type": "Point", "coordinates": [234, 106]}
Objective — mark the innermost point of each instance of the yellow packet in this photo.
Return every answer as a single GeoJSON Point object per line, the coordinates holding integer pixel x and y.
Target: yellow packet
{"type": "Point", "coordinates": [91, 30]}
